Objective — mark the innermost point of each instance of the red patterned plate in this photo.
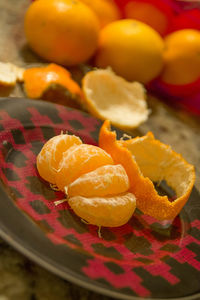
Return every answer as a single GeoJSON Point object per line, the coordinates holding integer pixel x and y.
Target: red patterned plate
{"type": "Point", "coordinates": [143, 258]}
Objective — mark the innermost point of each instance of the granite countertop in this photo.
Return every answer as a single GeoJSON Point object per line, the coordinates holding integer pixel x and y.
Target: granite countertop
{"type": "Point", "coordinates": [20, 278]}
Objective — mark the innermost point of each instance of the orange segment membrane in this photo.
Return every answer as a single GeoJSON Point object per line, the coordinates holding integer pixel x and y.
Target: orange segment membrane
{"type": "Point", "coordinates": [105, 180]}
{"type": "Point", "coordinates": [104, 211]}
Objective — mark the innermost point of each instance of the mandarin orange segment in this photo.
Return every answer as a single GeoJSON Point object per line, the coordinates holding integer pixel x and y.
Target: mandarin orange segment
{"type": "Point", "coordinates": [104, 211]}
{"type": "Point", "coordinates": [79, 160]}
{"type": "Point", "coordinates": [145, 160]}
{"type": "Point", "coordinates": [104, 181]}
{"type": "Point", "coordinates": [49, 157]}
{"type": "Point", "coordinates": [38, 80]}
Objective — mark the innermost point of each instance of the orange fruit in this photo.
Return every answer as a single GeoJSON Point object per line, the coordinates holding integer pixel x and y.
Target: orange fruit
{"type": "Point", "coordinates": [110, 211]}
{"type": "Point", "coordinates": [181, 57]}
{"type": "Point", "coordinates": [106, 10]}
{"type": "Point", "coordinates": [147, 160]}
{"type": "Point", "coordinates": [79, 160]}
{"type": "Point", "coordinates": [103, 181]}
{"type": "Point", "coordinates": [108, 96]}
{"type": "Point", "coordinates": [40, 79]}
{"type": "Point", "coordinates": [51, 153]}
{"type": "Point", "coordinates": [148, 13]}
{"type": "Point", "coordinates": [96, 189]}
{"type": "Point", "coordinates": [132, 49]}
{"type": "Point", "coordinates": [62, 31]}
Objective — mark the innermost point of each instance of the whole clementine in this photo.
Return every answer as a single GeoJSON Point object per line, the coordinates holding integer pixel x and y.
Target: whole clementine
{"type": "Point", "coordinates": [154, 13]}
{"type": "Point", "coordinates": [106, 10]}
{"type": "Point", "coordinates": [132, 49]}
{"type": "Point", "coordinates": [182, 57]}
{"type": "Point", "coordinates": [62, 31]}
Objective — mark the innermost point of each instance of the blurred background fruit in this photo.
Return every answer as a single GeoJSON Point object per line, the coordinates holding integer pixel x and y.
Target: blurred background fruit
{"type": "Point", "coordinates": [62, 31]}
{"type": "Point", "coordinates": [132, 49]}
{"type": "Point", "coordinates": [153, 13]}
{"type": "Point", "coordinates": [106, 10]}
{"type": "Point", "coordinates": [182, 57]}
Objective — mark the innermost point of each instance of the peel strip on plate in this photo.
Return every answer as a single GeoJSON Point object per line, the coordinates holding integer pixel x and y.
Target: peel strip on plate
{"type": "Point", "coordinates": [145, 160]}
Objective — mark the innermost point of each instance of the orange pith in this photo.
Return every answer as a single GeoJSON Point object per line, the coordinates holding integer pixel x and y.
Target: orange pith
{"type": "Point", "coordinates": [38, 80]}
{"type": "Point", "coordinates": [104, 181]}
{"type": "Point", "coordinates": [49, 157]}
{"type": "Point", "coordinates": [104, 211]}
{"type": "Point", "coordinates": [79, 160]}
{"type": "Point", "coordinates": [146, 160]}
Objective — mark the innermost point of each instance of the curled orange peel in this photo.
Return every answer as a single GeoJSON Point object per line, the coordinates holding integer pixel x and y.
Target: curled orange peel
{"type": "Point", "coordinates": [38, 80]}
{"type": "Point", "coordinates": [147, 160]}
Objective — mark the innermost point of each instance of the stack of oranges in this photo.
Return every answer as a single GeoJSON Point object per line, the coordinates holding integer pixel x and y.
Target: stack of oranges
{"type": "Point", "coordinates": [138, 47]}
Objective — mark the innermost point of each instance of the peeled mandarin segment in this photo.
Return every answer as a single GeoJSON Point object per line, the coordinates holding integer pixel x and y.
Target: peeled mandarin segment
{"type": "Point", "coordinates": [80, 160]}
{"type": "Point", "coordinates": [108, 96]}
{"type": "Point", "coordinates": [104, 181]}
{"type": "Point", "coordinates": [146, 160]}
{"type": "Point", "coordinates": [49, 157]}
{"type": "Point", "coordinates": [38, 80]}
{"type": "Point", "coordinates": [104, 211]}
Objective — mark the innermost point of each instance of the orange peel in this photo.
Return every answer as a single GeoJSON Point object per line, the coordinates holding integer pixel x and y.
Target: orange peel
{"type": "Point", "coordinates": [108, 96]}
{"type": "Point", "coordinates": [38, 80]}
{"type": "Point", "coordinates": [145, 160]}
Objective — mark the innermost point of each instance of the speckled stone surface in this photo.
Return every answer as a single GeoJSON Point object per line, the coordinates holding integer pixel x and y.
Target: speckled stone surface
{"type": "Point", "coordinates": [20, 279]}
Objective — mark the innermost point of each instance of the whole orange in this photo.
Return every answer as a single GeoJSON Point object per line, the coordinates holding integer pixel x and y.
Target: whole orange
{"type": "Point", "coordinates": [106, 10]}
{"type": "Point", "coordinates": [62, 31]}
{"type": "Point", "coordinates": [182, 57]}
{"type": "Point", "coordinates": [149, 14]}
{"type": "Point", "coordinates": [132, 49]}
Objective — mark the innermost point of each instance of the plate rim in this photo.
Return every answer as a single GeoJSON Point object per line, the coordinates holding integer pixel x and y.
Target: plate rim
{"type": "Point", "coordinates": [7, 234]}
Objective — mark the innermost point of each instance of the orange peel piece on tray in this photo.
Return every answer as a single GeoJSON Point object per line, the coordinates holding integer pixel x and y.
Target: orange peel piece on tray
{"type": "Point", "coordinates": [108, 96]}
{"type": "Point", "coordinates": [147, 160]}
{"type": "Point", "coordinates": [38, 80]}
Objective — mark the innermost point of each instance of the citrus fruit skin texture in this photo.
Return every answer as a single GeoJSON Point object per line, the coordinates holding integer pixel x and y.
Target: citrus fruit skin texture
{"type": "Point", "coordinates": [149, 14]}
{"type": "Point", "coordinates": [104, 181]}
{"type": "Point", "coordinates": [182, 57]}
{"type": "Point", "coordinates": [110, 211]}
{"type": "Point", "coordinates": [145, 160]}
{"type": "Point", "coordinates": [51, 153]}
{"type": "Point", "coordinates": [132, 49]}
{"type": "Point", "coordinates": [62, 31]}
{"type": "Point", "coordinates": [79, 160]}
{"type": "Point", "coordinates": [106, 10]}
{"type": "Point", "coordinates": [96, 189]}
{"type": "Point", "coordinates": [38, 80]}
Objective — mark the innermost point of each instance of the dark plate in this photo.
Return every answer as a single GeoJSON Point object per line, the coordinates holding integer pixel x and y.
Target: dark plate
{"type": "Point", "coordinates": [143, 258]}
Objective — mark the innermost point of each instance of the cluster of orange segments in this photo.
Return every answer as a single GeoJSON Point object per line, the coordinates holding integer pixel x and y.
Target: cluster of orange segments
{"type": "Point", "coordinates": [104, 184]}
